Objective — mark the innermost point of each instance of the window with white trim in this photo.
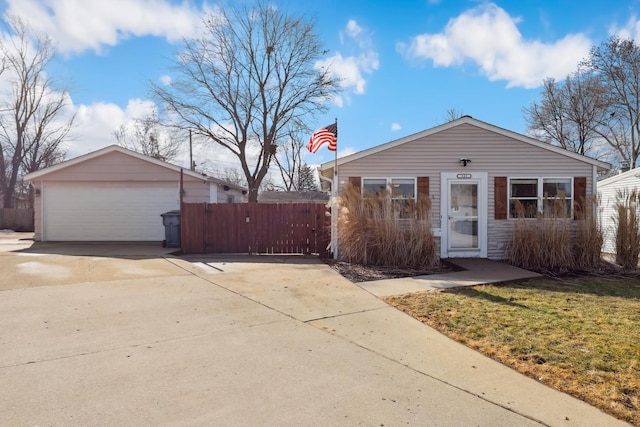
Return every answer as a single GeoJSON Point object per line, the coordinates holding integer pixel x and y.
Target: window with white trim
{"type": "Point", "coordinates": [541, 195]}
{"type": "Point", "coordinates": [400, 190]}
{"type": "Point", "coordinates": [373, 186]}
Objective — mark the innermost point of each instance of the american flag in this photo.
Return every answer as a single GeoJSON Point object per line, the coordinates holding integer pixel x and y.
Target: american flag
{"type": "Point", "coordinates": [328, 134]}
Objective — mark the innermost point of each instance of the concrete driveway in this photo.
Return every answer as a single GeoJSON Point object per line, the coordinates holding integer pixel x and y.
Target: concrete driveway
{"type": "Point", "coordinates": [128, 336]}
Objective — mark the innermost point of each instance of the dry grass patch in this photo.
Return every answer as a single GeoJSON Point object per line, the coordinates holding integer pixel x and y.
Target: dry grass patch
{"type": "Point", "coordinates": [578, 335]}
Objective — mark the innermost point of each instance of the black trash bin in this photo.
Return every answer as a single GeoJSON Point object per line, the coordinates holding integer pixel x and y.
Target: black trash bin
{"type": "Point", "coordinates": [171, 221]}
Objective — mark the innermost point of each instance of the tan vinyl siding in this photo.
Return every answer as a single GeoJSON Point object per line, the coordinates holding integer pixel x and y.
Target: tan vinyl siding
{"type": "Point", "coordinates": [489, 152]}
{"type": "Point", "coordinates": [119, 167]}
{"type": "Point", "coordinates": [238, 197]}
{"type": "Point", "coordinates": [113, 166]}
{"type": "Point", "coordinates": [195, 191]}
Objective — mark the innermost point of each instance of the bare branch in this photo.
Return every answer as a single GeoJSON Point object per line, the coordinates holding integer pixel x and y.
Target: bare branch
{"type": "Point", "coordinates": [616, 65]}
{"type": "Point", "coordinates": [146, 135]}
{"type": "Point", "coordinates": [244, 82]}
{"type": "Point", "coordinates": [32, 126]}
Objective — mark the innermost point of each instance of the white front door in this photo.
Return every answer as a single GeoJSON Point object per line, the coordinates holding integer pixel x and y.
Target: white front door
{"type": "Point", "coordinates": [464, 215]}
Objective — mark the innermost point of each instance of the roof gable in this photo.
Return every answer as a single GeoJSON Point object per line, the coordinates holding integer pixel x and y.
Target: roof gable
{"type": "Point", "coordinates": [104, 151]}
{"type": "Point", "coordinates": [124, 151]}
{"type": "Point", "coordinates": [459, 122]}
{"type": "Point", "coordinates": [620, 177]}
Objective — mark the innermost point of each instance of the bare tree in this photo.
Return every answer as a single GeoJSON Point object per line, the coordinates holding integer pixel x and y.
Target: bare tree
{"type": "Point", "coordinates": [147, 136]}
{"type": "Point", "coordinates": [289, 158]}
{"type": "Point", "coordinates": [453, 114]}
{"type": "Point", "coordinates": [32, 126]}
{"type": "Point", "coordinates": [233, 175]}
{"type": "Point", "coordinates": [569, 112]}
{"type": "Point", "coordinates": [616, 64]}
{"type": "Point", "coordinates": [245, 80]}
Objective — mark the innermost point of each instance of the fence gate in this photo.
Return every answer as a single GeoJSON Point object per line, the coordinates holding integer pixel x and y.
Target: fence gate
{"type": "Point", "coordinates": [265, 228]}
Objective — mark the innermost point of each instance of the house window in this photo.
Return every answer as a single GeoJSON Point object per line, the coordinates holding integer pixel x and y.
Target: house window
{"type": "Point", "coordinates": [402, 192]}
{"type": "Point", "coordinates": [530, 196]}
{"type": "Point", "coordinates": [373, 186]}
{"type": "Point", "coordinates": [230, 198]}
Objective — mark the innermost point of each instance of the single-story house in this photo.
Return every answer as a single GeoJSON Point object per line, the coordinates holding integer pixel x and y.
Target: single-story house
{"type": "Point", "coordinates": [607, 191]}
{"type": "Point", "coordinates": [115, 194]}
{"type": "Point", "coordinates": [473, 172]}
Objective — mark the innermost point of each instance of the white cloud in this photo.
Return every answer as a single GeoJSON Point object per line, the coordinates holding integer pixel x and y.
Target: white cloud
{"type": "Point", "coordinates": [351, 69]}
{"type": "Point", "coordinates": [630, 30]}
{"type": "Point", "coordinates": [166, 80]}
{"type": "Point", "coordinates": [395, 126]}
{"type": "Point", "coordinates": [95, 124]}
{"type": "Point", "coordinates": [347, 151]}
{"type": "Point", "coordinates": [488, 36]}
{"type": "Point", "coordinates": [79, 25]}
{"type": "Point", "coordinates": [348, 69]}
{"type": "Point", "coordinates": [353, 29]}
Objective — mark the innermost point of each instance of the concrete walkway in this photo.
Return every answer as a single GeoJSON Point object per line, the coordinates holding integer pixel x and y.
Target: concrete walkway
{"type": "Point", "coordinates": [476, 271]}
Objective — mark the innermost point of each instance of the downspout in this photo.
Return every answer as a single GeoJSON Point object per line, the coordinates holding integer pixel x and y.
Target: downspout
{"type": "Point", "coordinates": [334, 212]}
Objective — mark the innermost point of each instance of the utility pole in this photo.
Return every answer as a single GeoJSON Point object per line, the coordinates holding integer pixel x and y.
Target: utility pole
{"type": "Point", "coordinates": [191, 165]}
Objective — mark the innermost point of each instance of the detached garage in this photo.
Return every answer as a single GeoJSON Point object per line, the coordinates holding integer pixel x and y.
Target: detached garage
{"type": "Point", "coordinates": [115, 194]}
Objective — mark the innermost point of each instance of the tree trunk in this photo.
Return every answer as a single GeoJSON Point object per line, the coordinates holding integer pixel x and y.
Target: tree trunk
{"type": "Point", "coordinates": [253, 195]}
{"type": "Point", "coordinates": [7, 197]}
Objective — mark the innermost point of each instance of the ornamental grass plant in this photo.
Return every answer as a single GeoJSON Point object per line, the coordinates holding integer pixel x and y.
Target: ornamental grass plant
{"type": "Point", "coordinates": [589, 236]}
{"type": "Point", "coordinates": [542, 242]}
{"type": "Point", "coordinates": [376, 230]}
{"type": "Point", "coordinates": [627, 222]}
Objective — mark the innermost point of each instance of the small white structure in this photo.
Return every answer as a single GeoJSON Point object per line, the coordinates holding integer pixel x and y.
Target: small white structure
{"type": "Point", "coordinates": [115, 194]}
{"type": "Point", "coordinates": [607, 191]}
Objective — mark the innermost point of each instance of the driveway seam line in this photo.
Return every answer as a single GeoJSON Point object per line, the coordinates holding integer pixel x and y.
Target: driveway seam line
{"type": "Point", "coordinates": [168, 340]}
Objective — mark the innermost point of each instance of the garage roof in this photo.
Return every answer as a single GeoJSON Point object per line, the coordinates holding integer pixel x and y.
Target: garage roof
{"type": "Point", "coordinates": [116, 148]}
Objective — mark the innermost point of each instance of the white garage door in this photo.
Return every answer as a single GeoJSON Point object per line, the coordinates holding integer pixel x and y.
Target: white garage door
{"type": "Point", "coordinates": [107, 211]}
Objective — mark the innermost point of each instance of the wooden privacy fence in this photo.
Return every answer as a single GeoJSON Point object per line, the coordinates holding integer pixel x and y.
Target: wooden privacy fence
{"type": "Point", "coordinates": [265, 228]}
{"type": "Point", "coordinates": [16, 219]}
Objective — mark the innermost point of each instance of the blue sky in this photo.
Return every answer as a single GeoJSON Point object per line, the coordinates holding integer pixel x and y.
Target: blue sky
{"type": "Point", "coordinates": [403, 64]}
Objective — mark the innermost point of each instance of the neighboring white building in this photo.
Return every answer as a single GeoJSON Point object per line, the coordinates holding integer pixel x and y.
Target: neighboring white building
{"type": "Point", "coordinates": [607, 190]}
{"type": "Point", "coordinates": [115, 194]}
{"type": "Point", "coordinates": [473, 172]}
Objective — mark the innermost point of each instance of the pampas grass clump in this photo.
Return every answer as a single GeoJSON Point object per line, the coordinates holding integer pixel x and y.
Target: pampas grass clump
{"type": "Point", "coordinates": [627, 221]}
{"type": "Point", "coordinates": [543, 242]}
{"type": "Point", "coordinates": [371, 232]}
{"type": "Point", "coordinates": [549, 242]}
{"type": "Point", "coordinates": [589, 236]}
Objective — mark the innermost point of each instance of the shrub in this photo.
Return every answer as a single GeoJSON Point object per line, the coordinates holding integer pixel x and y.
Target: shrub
{"type": "Point", "coordinates": [627, 221]}
{"type": "Point", "coordinates": [371, 232]}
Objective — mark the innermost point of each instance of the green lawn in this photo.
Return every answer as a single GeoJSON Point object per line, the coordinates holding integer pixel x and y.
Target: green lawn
{"type": "Point", "coordinates": [579, 335]}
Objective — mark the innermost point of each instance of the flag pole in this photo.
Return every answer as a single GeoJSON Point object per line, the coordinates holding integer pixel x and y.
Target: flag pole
{"type": "Point", "coordinates": [334, 210]}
